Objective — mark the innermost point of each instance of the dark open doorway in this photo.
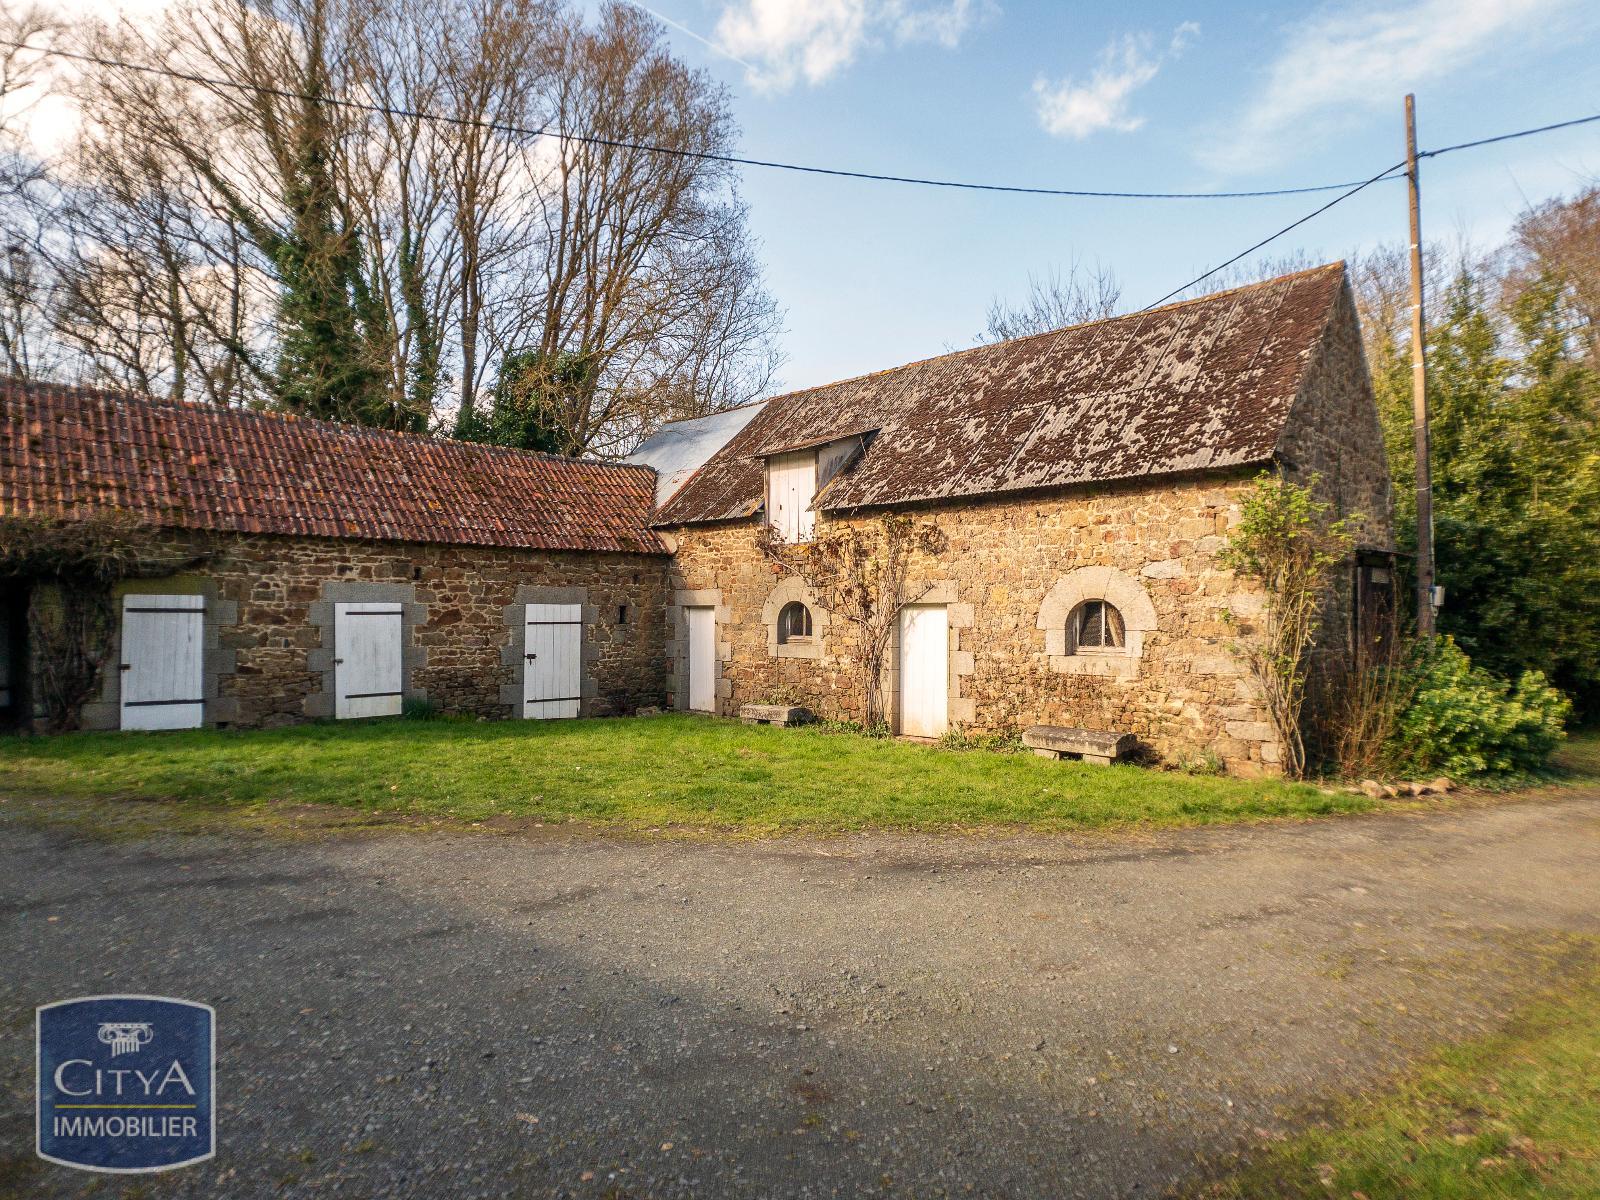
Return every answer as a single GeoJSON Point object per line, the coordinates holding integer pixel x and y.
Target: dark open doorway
{"type": "Point", "coordinates": [15, 707]}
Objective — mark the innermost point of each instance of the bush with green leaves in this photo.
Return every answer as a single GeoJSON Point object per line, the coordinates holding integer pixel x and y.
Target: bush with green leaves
{"type": "Point", "coordinates": [1465, 722]}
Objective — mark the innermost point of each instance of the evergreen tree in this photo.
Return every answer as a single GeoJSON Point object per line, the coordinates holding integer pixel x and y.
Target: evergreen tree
{"type": "Point", "coordinates": [1516, 482]}
{"type": "Point", "coordinates": [531, 393]}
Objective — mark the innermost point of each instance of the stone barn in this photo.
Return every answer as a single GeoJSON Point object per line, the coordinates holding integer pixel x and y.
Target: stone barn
{"type": "Point", "coordinates": [1085, 481]}
{"type": "Point", "coordinates": [327, 570]}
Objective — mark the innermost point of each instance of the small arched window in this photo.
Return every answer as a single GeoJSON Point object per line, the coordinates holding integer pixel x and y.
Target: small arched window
{"type": "Point", "coordinates": [794, 623]}
{"type": "Point", "coordinates": [1096, 626]}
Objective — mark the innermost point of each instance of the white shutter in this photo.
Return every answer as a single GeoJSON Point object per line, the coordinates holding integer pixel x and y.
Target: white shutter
{"type": "Point", "coordinates": [367, 670]}
{"type": "Point", "coordinates": [163, 646]}
{"type": "Point", "coordinates": [702, 659]}
{"type": "Point", "coordinates": [792, 484]}
{"type": "Point", "coordinates": [924, 671]}
{"type": "Point", "coordinates": [552, 662]}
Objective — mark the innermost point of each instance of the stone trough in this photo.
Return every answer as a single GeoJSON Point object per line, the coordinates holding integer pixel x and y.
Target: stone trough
{"type": "Point", "coordinates": [1058, 741]}
{"type": "Point", "coordinates": [775, 714]}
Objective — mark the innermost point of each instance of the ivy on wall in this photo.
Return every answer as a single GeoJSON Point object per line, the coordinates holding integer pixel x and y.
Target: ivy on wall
{"type": "Point", "coordinates": [73, 567]}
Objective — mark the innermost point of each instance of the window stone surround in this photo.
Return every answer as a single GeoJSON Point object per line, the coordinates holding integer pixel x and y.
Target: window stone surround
{"type": "Point", "coordinates": [787, 592]}
{"type": "Point", "coordinates": [1119, 589]}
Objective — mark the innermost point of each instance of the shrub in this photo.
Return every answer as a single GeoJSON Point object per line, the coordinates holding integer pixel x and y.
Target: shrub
{"type": "Point", "coordinates": [1001, 741]}
{"type": "Point", "coordinates": [419, 708]}
{"type": "Point", "coordinates": [1465, 722]}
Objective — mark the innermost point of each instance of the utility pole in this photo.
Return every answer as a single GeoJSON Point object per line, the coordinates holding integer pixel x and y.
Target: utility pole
{"type": "Point", "coordinates": [1419, 387]}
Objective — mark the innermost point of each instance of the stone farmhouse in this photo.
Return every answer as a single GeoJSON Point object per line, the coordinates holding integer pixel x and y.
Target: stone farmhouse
{"type": "Point", "coordinates": [1085, 481]}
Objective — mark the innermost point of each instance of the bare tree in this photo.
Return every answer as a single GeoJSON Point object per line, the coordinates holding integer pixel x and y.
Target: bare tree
{"type": "Point", "coordinates": [228, 227]}
{"type": "Point", "coordinates": [1083, 293]}
{"type": "Point", "coordinates": [1560, 239]}
{"type": "Point", "coordinates": [649, 282]}
{"type": "Point", "coordinates": [24, 342]}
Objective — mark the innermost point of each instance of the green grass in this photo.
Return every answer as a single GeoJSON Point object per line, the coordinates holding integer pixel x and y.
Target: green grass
{"type": "Point", "coordinates": [661, 771]}
{"type": "Point", "coordinates": [1579, 755]}
{"type": "Point", "coordinates": [1514, 1115]}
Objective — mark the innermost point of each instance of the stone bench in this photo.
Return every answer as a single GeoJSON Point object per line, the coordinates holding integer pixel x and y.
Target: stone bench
{"type": "Point", "coordinates": [774, 714]}
{"type": "Point", "coordinates": [1057, 741]}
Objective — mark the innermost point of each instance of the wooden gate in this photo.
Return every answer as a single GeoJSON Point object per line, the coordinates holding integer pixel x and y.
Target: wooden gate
{"type": "Point", "coordinates": [163, 646]}
{"type": "Point", "coordinates": [552, 675]}
{"type": "Point", "coordinates": [368, 675]}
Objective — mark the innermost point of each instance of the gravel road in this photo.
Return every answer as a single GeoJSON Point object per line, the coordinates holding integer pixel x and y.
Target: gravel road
{"type": "Point", "coordinates": [568, 1013]}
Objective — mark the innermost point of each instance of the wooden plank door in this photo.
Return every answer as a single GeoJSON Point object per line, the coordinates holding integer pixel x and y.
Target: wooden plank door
{"type": "Point", "coordinates": [163, 645]}
{"type": "Point", "coordinates": [367, 673]}
{"type": "Point", "coordinates": [924, 670]}
{"type": "Point", "coordinates": [793, 485]}
{"type": "Point", "coordinates": [702, 659]}
{"type": "Point", "coordinates": [552, 672]}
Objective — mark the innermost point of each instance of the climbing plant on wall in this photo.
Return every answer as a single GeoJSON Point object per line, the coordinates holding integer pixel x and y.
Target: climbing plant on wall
{"type": "Point", "coordinates": [80, 561]}
{"type": "Point", "coordinates": [1287, 542]}
{"type": "Point", "coordinates": [859, 573]}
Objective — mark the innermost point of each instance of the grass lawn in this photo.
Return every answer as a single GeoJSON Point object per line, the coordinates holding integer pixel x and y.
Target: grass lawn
{"type": "Point", "coordinates": [1515, 1115]}
{"type": "Point", "coordinates": [659, 771]}
{"type": "Point", "coordinates": [1579, 755]}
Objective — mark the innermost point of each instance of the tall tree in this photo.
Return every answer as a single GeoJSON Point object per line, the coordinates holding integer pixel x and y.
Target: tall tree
{"type": "Point", "coordinates": [238, 231]}
{"type": "Point", "coordinates": [647, 273]}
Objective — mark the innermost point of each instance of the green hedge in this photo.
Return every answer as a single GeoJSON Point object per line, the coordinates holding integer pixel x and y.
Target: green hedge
{"type": "Point", "coordinates": [1464, 722]}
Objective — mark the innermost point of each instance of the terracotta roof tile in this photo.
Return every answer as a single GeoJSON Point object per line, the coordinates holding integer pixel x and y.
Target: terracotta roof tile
{"type": "Point", "coordinates": [1204, 384]}
{"type": "Point", "coordinates": [69, 451]}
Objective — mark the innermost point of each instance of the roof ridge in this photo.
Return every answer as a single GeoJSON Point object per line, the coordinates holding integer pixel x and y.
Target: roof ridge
{"type": "Point", "coordinates": [1060, 329]}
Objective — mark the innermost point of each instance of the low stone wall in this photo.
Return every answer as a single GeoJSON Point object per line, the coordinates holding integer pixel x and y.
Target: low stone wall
{"type": "Point", "coordinates": [268, 632]}
{"type": "Point", "coordinates": [1009, 576]}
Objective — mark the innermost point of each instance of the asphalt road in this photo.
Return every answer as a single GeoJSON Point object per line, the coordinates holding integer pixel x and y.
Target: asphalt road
{"type": "Point", "coordinates": [574, 1014]}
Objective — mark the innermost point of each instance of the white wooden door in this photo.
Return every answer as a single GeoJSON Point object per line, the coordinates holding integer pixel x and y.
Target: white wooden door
{"type": "Point", "coordinates": [702, 659]}
{"type": "Point", "coordinates": [163, 643]}
{"type": "Point", "coordinates": [551, 660]}
{"type": "Point", "coordinates": [791, 488]}
{"type": "Point", "coordinates": [924, 670]}
{"type": "Point", "coordinates": [367, 674]}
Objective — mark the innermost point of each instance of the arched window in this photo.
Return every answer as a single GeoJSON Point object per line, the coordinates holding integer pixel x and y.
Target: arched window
{"type": "Point", "coordinates": [1096, 626]}
{"type": "Point", "coordinates": [794, 623]}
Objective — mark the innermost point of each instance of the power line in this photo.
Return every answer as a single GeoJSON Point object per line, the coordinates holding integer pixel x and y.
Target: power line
{"type": "Point", "coordinates": [1390, 173]}
{"type": "Point", "coordinates": [1386, 173]}
{"type": "Point", "coordinates": [1506, 137]}
{"type": "Point", "coordinates": [676, 152]}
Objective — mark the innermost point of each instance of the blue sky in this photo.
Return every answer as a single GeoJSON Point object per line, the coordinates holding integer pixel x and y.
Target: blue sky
{"type": "Point", "coordinates": [1139, 97]}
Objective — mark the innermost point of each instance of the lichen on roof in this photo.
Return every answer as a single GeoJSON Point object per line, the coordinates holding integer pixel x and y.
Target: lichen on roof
{"type": "Point", "coordinates": [1204, 384]}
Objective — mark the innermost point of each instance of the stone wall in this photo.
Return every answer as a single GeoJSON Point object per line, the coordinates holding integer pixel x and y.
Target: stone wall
{"type": "Point", "coordinates": [1015, 569]}
{"type": "Point", "coordinates": [1333, 430]}
{"type": "Point", "coordinates": [268, 651]}
{"type": "Point", "coordinates": [1333, 438]}
{"type": "Point", "coordinates": [1012, 571]}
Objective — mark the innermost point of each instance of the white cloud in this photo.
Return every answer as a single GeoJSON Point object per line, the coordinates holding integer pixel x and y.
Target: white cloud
{"type": "Point", "coordinates": [1341, 62]}
{"type": "Point", "coordinates": [1071, 109]}
{"type": "Point", "coordinates": [792, 40]}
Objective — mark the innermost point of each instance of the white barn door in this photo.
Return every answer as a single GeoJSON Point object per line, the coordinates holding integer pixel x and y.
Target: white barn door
{"type": "Point", "coordinates": [367, 672]}
{"type": "Point", "coordinates": [702, 659]}
{"type": "Point", "coordinates": [552, 661]}
{"type": "Point", "coordinates": [163, 644]}
{"type": "Point", "coordinates": [924, 671]}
